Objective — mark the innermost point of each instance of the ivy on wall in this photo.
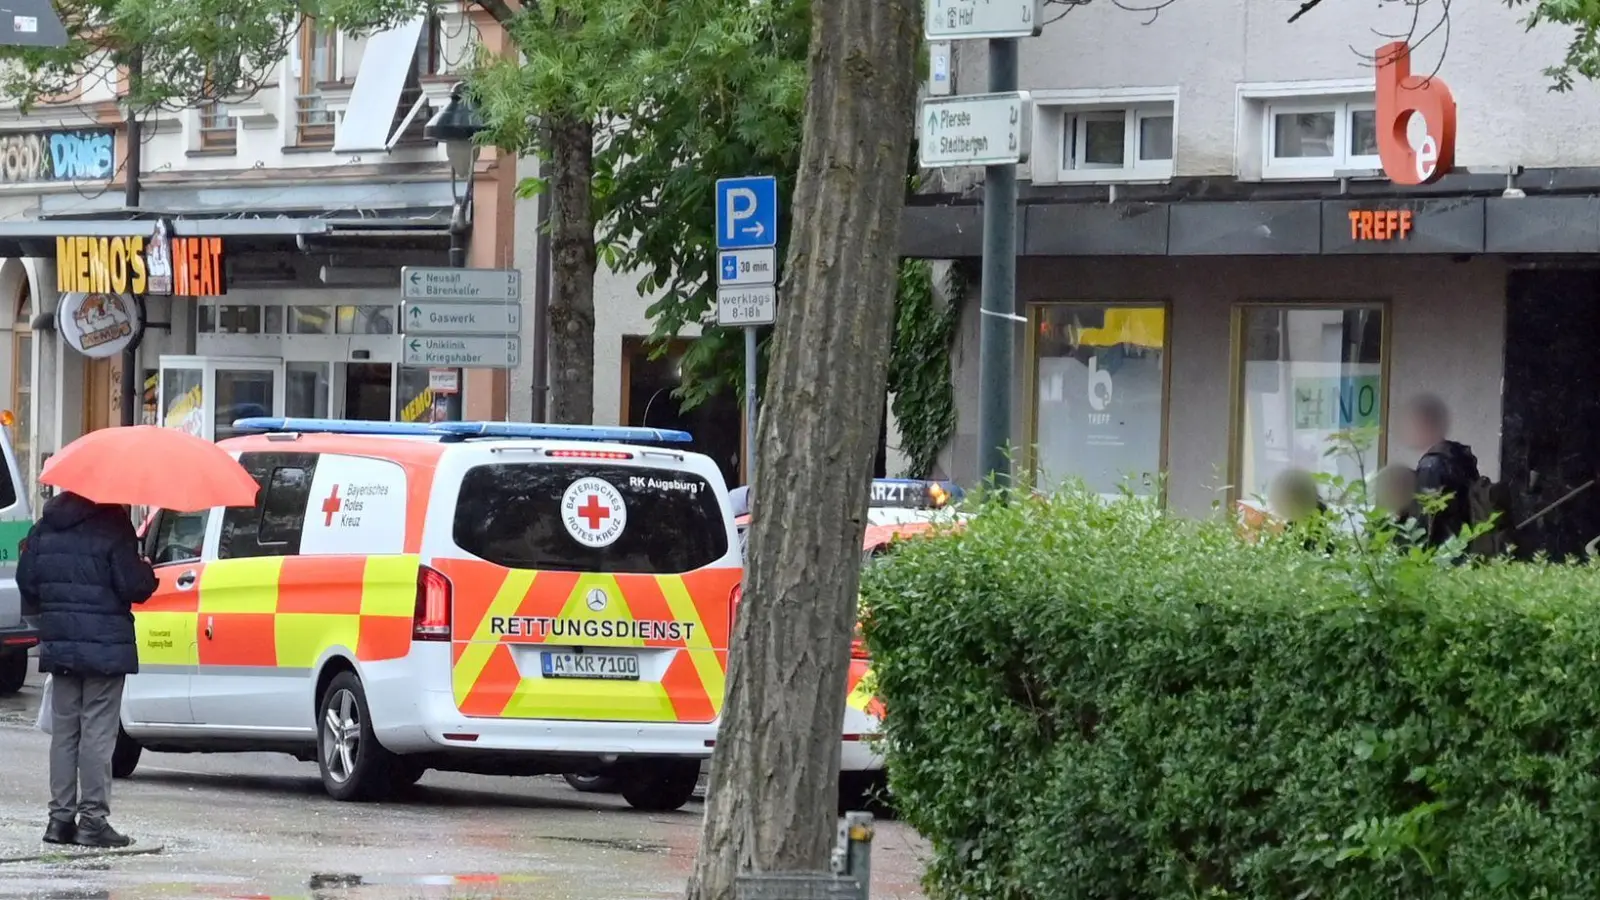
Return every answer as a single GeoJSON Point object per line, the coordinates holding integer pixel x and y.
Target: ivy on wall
{"type": "Point", "coordinates": [919, 363]}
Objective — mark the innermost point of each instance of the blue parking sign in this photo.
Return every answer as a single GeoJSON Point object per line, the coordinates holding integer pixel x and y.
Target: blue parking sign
{"type": "Point", "coordinates": [747, 213]}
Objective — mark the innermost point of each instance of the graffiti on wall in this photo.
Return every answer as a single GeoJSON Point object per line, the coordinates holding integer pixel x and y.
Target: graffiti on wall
{"type": "Point", "coordinates": [78, 155]}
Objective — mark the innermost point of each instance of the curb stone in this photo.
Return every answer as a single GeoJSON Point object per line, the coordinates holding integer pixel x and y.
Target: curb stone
{"type": "Point", "coordinates": [72, 854]}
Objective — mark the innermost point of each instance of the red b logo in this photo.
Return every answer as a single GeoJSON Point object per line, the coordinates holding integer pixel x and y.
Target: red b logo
{"type": "Point", "coordinates": [1401, 95]}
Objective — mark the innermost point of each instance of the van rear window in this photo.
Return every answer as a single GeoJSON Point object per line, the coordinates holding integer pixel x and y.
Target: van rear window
{"type": "Point", "coordinates": [588, 518]}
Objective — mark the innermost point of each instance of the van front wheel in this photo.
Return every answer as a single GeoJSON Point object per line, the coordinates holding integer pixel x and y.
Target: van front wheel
{"type": "Point", "coordinates": [354, 765]}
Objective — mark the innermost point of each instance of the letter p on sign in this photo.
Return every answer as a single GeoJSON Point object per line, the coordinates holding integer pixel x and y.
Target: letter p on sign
{"type": "Point", "coordinates": [741, 205]}
{"type": "Point", "coordinates": [1400, 96]}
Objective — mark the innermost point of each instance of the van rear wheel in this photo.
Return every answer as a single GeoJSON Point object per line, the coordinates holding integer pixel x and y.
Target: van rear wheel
{"type": "Point", "coordinates": [354, 765]}
{"type": "Point", "coordinates": [13, 671]}
{"type": "Point", "coordinates": [125, 756]}
{"type": "Point", "coordinates": [660, 785]}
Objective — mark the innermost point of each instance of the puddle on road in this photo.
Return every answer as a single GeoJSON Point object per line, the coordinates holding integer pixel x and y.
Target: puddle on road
{"type": "Point", "coordinates": [607, 843]}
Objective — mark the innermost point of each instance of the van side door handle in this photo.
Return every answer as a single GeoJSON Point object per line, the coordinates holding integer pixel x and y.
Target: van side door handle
{"type": "Point", "coordinates": [186, 580]}
{"type": "Point", "coordinates": [210, 627]}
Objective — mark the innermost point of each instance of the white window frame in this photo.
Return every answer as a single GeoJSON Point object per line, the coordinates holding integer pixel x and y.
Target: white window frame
{"type": "Point", "coordinates": [1059, 119]}
{"type": "Point", "coordinates": [1259, 107]}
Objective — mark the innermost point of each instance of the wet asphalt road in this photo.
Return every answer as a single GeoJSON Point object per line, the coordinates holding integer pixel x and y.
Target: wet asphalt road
{"type": "Point", "coordinates": [258, 826]}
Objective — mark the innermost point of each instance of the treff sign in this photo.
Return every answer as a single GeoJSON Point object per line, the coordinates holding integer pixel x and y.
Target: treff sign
{"type": "Point", "coordinates": [1400, 96]}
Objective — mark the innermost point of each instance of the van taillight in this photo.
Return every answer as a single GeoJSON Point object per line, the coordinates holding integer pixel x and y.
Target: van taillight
{"type": "Point", "coordinates": [734, 596]}
{"type": "Point", "coordinates": [858, 646]}
{"type": "Point", "coordinates": [432, 619]}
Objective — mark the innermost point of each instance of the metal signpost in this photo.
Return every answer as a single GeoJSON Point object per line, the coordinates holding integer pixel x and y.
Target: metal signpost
{"type": "Point", "coordinates": [461, 318]}
{"type": "Point", "coordinates": [993, 131]}
{"type": "Point", "coordinates": [747, 275]}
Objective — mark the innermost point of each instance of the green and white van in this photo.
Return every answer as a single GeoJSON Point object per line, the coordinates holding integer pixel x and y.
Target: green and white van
{"type": "Point", "coordinates": [17, 633]}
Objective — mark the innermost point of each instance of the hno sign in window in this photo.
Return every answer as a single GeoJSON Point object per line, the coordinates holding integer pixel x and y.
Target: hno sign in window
{"type": "Point", "coordinates": [977, 130]}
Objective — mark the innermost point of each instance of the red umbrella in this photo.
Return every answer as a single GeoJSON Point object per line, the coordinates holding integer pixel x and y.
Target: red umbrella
{"type": "Point", "coordinates": [142, 465]}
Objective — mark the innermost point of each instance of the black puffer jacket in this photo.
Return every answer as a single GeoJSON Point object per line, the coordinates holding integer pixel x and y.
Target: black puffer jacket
{"type": "Point", "coordinates": [80, 571]}
{"type": "Point", "coordinates": [1448, 468]}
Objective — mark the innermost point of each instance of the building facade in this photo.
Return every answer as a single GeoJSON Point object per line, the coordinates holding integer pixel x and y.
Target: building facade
{"type": "Point", "coordinates": [281, 219]}
{"type": "Point", "coordinates": [1217, 278]}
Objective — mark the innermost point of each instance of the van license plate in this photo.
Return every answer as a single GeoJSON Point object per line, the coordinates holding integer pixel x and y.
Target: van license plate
{"type": "Point", "coordinates": [619, 666]}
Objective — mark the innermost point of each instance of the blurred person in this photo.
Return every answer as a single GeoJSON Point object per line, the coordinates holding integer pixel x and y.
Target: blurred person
{"type": "Point", "coordinates": [1294, 497]}
{"type": "Point", "coordinates": [1394, 493]}
{"type": "Point", "coordinates": [81, 572]}
{"type": "Point", "coordinates": [1446, 468]}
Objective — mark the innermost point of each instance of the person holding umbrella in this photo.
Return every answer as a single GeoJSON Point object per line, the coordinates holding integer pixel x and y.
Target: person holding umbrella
{"type": "Point", "coordinates": [81, 571]}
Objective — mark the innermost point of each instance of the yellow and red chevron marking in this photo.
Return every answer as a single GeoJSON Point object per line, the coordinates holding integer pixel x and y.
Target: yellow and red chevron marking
{"type": "Point", "coordinates": [860, 690]}
{"type": "Point", "coordinates": [485, 652]}
{"type": "Point", "coordinates": [282, 611]}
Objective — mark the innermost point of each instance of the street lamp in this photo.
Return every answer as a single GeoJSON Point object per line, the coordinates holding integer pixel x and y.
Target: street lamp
{"type": "Point", "coordinates": [457, 127]}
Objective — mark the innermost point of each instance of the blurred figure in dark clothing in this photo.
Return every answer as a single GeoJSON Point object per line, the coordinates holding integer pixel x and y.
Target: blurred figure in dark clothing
{"type": "Point", "coordinates": [1447, 468]}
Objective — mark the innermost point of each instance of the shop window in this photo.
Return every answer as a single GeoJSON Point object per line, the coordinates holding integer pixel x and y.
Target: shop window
{"type": "Point", "coordinates": [306, 389]}
{"type": "Point", "coordinates": [424, 398]}
{"type": "Point", "coordinates": [1306, 376]}
{"type": "Point", "coordinates": [237, 319]}
{"type": "Point", "coordinates": [1099, 411]}
{"type": "Point", "coordinates": [366, 319]}
{"type": "Point", "coordinates": [310, 320]}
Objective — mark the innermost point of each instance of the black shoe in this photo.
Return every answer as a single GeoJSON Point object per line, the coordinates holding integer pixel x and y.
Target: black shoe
{"type": "Point", "coordinates": [61, 831]}
{"type": "Point", "coordinates": [101, 835]}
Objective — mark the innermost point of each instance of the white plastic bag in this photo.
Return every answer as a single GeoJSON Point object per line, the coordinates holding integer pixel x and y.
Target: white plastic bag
{"type": "Point", "coordinates": [46, 707]}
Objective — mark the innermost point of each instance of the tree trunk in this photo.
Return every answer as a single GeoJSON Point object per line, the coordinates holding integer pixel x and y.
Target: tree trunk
{"type": "Point", "coordinates": [774, 782]}
{"type": "Point", "coordinates": [571, 340]}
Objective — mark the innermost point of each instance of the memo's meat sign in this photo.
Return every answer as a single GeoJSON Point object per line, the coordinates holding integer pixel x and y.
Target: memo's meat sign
{"type": "Point", "coordinates": [181, 266]}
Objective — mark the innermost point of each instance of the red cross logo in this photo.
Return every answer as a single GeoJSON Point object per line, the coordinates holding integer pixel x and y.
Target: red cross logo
{"type": "Point", "coordinates": [594, 512]}
{"type": "Point", "coordinates": [331, 505]}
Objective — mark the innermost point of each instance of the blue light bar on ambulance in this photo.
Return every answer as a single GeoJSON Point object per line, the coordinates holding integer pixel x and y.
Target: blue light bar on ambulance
{"type": "Point", "coordinates": [551, 432]}
{"type": "Point", "coordinates": [910, 493]}
{"type": "Point", "coordinates": [459, 431]}
{"type": "Point", "coordinates": [333, 426]}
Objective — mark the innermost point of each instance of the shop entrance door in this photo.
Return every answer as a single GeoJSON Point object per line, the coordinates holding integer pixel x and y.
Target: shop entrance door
{"type": "Point", "coordinates": [203, 395]}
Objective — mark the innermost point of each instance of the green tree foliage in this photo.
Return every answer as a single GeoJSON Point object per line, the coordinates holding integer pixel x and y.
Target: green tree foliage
{"type": "Point", "coordinates": [188, 52]}
{"type": "Point", "coordinates": [683, 92]}
{"type": "Point", "coordinates": [1093, 700]}
{"type": "Point", "coordinates": [1582, 56]}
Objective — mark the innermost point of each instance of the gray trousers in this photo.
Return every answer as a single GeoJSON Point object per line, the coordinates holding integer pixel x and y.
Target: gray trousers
{"type": "Point", "coordinates": [86, 710]}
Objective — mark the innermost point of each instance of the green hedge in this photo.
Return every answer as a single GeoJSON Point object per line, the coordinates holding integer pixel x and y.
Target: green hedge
{"type": "Point", "coordinates": [1103, 701]}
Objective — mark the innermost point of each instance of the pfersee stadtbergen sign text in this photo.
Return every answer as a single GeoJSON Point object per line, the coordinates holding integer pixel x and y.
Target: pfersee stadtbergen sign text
{"type": "Point", "coordinates": [976, 130]}
{"type": "Point", "coordinates": [956, 19]}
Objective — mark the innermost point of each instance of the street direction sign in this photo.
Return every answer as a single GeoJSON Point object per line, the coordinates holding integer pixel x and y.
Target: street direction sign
{"type": "Point", "coordinates": [747, 212]}
{"type": "Point", "coordinates": [976, 130]}
{"type": "Point", "coordinates": [463, 352]}
{"type": "Point", "coordinates": [747, 306]}
{"type": "Point", "coordinates": [433, 283]}
{"type": "Point", "coordinates": [959, 19]}
{"type": "Point", "coordinates": [446, 317]}
{"type": "Point", "coordinates": [742, 267]}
